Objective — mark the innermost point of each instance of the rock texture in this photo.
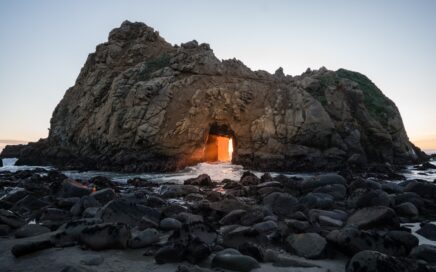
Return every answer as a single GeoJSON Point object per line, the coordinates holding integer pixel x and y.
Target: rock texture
{"type": "Point", "coordinates": [141, 104]}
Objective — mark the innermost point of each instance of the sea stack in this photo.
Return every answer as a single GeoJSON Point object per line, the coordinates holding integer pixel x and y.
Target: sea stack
{"type": "Point", "coordinates": [142, 104]}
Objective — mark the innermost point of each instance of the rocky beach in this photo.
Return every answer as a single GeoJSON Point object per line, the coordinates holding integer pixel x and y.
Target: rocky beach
{"type": "Point", "coordinates": [259, 222]}
{"type": "Point", "coordinates": [164, 158]}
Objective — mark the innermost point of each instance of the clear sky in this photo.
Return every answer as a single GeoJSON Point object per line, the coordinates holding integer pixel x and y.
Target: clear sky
{"type": "Point", "coordinates": [43, 45]}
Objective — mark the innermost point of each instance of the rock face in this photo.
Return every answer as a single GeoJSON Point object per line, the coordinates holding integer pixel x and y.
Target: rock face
{"type": "Point", "coordinates": [141, 104]}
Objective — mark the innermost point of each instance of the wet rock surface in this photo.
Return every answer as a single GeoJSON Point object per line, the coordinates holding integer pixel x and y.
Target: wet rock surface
{"type": "Point", "coordinates": [305, 223]}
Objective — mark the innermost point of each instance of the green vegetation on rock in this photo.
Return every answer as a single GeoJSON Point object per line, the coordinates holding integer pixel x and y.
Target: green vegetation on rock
{"type": "Point", "coordinates": [378, 105]}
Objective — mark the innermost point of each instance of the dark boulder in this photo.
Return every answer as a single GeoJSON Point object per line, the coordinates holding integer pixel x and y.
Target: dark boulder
{"type": "Point", "coordinates": [30, 230]}
{"type": "Point", "coordinates": [307, 245]}
{"type": "Point", "coordinates": [72, 188]}
{"type": "Point", "coordinates": [428, 231]}
{"type": "Point", "coordinates": [173, 253]}
{"type": "Point", "coordinates": [351, 240]}
{"type": "Point", "coordinates": [11, 219]}
{"type": "Point", "coordinates": [374, 217]}
{"type": "Point", "coordinates": [202, 180]}
{"type": "Point", "coordinates": [105, 236]}
{"type": "Point", "coordinates": [374, 261]}
{"type": "Point", "coordinates": [424, 252]}
{"type": "Point", "coordinates": [318, 181]}
{"type": "Point", "coordinates": [281, 204]}
{"type": "Point", "coordinates": [424, 189]}
{"type": "Point", "coordinates": [104, 196]}
{"type": "Point", "coordinates": [249, 178]}
{"type": "Point", "coordinates": [373, 198]}
{"type": "Point", "coordinates": [128, 212]}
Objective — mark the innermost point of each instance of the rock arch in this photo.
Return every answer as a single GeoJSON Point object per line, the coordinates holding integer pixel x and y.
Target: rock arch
{"type": "Point", "coordinates": [142, 104]}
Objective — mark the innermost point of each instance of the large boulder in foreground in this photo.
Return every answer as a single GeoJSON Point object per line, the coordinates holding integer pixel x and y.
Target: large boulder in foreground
{"type": "Point", "coordinates": [142, 104]}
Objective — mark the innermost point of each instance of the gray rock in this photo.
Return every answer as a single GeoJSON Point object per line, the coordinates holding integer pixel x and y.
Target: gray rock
{"type": "Point", "coordinates": [11, 219]}
{"type": "Point", "coordinates": [144, 238]}
{"type": "Point", "coordinates": [202, 180]}
{"type": "Point", "coordinates": [337, 191]}
{"type": "Point", "coordinates": [171, 191]}
{"type": "Point", "coordinates": [31, 230]}
{"type": "Point", "coordinates": [351, 240]}
{"type": "Point", "coordinates": [173, 253]}
{"type": "Point", "coordinates": [280, 204]}
{"type": "Point", "coordinates": [322, 180]}
{"type": "Point", "coordinates": [424, 252]}
{"type": "Point", "coordinates": [373, 198]}
{"type": "Point", "coordinates": [53, 214]}
{"type": "Point", "coordinates": [189, 218]}
{"type": "Point", "coordinates": [28, 247]}
{"type": "Point", "coordinates": [317, 201]}
{"type": "Point", "coordinates": [128, 212]}
{"type": "Point", "coordinates": [170, 224]}
{"type": "Point", "coordinates": [364, 184]}
{"type": "Point", "coordinates": [105, 236]}
{"type": "Point", "coordinates": [29, 203]}
{"type": "Point", "coordinates": [330, 222]}
{"type": "Point", "coordinates": [297, 226]}
{"type": "Point", "coordinates": [307, 245]}
{"type": "Point", "coordinates": [424, 189]}
{"type": "Point", "coordinates": [266, 227]}
{"type": "Point", "coordinates": [374, 217]}
{"type": "Point", "coordinates": [252, 250]}
{"type": "Point", "coordinates": [228, 205]}
{"type": "Point", "coordinates": [407, 209]}
{"type": "Point", "coordinates": [92, 260]}
{"type": "Point", "coordinates": [428, 231]}
{"type": "Point", "coordinates": [240, 235]}
{"type": "Point", "coordinates": [232, 217]}
{"type": "Point", "coordinates": [104, 196]}
{"type": "Point", "coordinates": [233, 262]}
{"type": "Point", "coordinates": [413, 198]}
{"type": "Point", "coordinates": [90, 212]}
{"type": "Point", "coordinates": [4, 230]}
{"type": "Point", "coordinates": [71, 188]}
{"type": "Point", "coordinates": [378, 262]}
{"type": "Point", "coordinates": [252, 216]}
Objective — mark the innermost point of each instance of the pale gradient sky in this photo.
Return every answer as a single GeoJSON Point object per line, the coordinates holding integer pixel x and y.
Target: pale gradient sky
{"type": "Point", "coordinates": [43, 45]}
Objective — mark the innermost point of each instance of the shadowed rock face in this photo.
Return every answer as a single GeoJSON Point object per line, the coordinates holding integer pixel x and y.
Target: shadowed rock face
{"type": "Point", "coordinates": [141, 104]}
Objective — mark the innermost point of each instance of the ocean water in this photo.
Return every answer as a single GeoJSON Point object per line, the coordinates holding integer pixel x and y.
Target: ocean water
{"type": "Point", "coordinates": [217, 172]}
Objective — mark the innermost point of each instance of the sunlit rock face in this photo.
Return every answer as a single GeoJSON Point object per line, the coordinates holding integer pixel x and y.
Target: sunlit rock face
{"type": "Point", "coordinates": [141, 104]}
